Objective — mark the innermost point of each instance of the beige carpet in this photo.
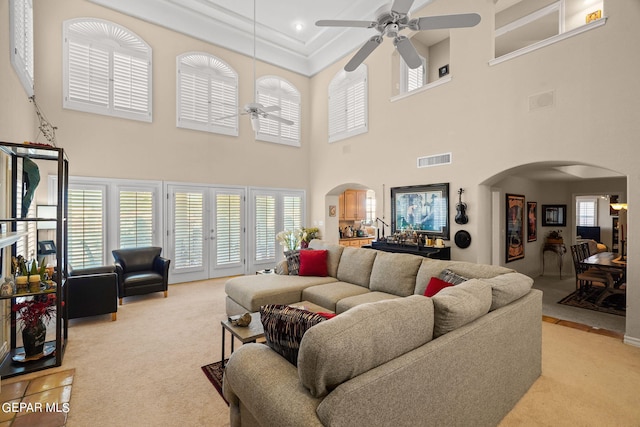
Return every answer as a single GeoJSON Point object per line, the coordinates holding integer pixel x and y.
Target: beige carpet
{"type": "Point", "coordinates": [145, 368]}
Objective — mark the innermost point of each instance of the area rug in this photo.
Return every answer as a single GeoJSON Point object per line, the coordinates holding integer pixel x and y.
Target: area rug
{"type": "Point", "coordinates": [613, 304]}
{"type": "Point", "coordinates": [214, 372]}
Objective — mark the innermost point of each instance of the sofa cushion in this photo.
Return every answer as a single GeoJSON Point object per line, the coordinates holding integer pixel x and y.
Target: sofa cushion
{"type": "Point", "coordinates": [253, 291]}
{"type": "Point", "coordinates": [349, 302]}
{"type": "Point", "coordinates": [507, 288]}
{"type": "Point", "coordinates": [394, 273]}
{"type": "Point", "coordinates": [436, 285]}
{"type": "Point", "coordinates": [355, 265]}
{"type": "Point", "coordinates": [361, 339]}
{"type": "Point", "coordinates": [458, 305]}
{"type": "Point", "coordinates": [334, 253]}
{"type": "Point", "coordinates": [428, 269]}
{"type": "Point", "coordinates": [293, 262]}
{"type": "Point", "coordinates": [285, 326]}
{"type": "Point", "coordinates": [313, 263]}
{"type": "Point", "coordinates": [327, 295]}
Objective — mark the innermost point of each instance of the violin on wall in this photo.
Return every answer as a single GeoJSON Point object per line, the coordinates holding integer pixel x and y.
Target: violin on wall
{"type": "Point", "coordinates": [461, 215]}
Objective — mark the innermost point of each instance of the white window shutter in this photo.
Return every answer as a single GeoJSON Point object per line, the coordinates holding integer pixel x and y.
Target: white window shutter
{"type": "Point", "coordinates": [292, 212]}
{"type": "Point", "coordinates": [265, 223]}
{"type": "Point", "coordinates": [86, 227]}
{"type": "Point", "coordinates": [136, 219]}
{"type": "Point", "coordinates": [21, 19]}
{"type": "Point", "coordinates": [228, 229]}
{"type": "Point", "coordinates": [188, 230]}
{"type": "Point", "coordinates": [273, 90]}
{"type": "Point", "coordinates": [348, 109]}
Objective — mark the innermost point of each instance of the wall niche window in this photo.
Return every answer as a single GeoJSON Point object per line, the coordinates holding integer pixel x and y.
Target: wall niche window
{"type": "Point", "coordinates": [525, 25]}
{"type": "Point", "coordinates": [434, 49]}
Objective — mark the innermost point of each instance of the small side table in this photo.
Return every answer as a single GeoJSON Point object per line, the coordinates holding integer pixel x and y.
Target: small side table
{"type": "Point", "coordinates": [266, 271]}
{"type": "Point", "coordinates": [244, 334]}
{"type": "Point", "coordinates": [557, 248]}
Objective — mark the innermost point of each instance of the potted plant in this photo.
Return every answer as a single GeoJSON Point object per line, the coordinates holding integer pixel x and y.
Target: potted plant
{"type": "Point", "coordinates": [554, 236]}
{"type": "Point", "coordinates": [33, 316]}
{"type": "Point", "coordinates": [308, 234]}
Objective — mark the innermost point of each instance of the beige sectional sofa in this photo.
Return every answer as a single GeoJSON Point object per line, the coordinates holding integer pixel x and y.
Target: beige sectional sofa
{"type": "Point", "coordinates": [392, 357]}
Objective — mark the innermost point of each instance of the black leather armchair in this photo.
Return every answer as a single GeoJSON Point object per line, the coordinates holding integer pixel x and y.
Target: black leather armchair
{"type": "Point", "coordinates": [141, 271]}
{"type": "Point", "coordinates": [91, 292]}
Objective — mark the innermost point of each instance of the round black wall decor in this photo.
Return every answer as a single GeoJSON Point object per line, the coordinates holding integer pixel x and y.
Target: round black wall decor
{"type": "Point", "coordinates": [462, 239]}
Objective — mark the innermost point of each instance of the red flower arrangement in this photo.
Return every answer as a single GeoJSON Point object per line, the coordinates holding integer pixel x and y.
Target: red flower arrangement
{"type": "Point", "coordinates": [31, 313]}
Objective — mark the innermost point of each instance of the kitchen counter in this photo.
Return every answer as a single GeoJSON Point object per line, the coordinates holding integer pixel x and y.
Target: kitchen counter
{"type": "Point", "coordinates": [356, 241]}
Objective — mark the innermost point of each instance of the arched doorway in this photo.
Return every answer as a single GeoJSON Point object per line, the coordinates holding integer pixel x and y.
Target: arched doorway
{"type": "Point", "coordinates": [336, 205]}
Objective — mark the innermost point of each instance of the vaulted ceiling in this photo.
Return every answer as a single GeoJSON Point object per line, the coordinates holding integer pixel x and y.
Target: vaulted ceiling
{"type": "Point", "coordinates": [286, 33]}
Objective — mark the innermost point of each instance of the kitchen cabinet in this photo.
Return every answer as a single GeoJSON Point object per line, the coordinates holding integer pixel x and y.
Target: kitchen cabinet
{"type": "Point", "coordinates": [355, 205]}
{"type": "Point", "coordinates": [356, 242]}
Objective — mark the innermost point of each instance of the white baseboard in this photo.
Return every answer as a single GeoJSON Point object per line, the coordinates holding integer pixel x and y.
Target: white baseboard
{"type": "Point", "coordinates": [632, 341]}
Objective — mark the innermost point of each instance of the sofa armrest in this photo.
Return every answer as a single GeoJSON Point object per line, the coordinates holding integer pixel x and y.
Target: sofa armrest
{"type": "Point", "coordinates": [267, 385]}
{"type": "Point", "coordinates": [161, 266]}
{"type": "Point", "coordinates": [91, 294]}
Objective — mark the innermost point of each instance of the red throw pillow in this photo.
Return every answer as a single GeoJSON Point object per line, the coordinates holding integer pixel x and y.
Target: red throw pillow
{"type": "Point", "coordinates": [435, 285]}
{"type": "Point", "coordinates": [313, 263]}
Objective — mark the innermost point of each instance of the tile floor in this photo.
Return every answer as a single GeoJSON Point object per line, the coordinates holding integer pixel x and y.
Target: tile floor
{"type": "Point", "coordinates": [41, 401]}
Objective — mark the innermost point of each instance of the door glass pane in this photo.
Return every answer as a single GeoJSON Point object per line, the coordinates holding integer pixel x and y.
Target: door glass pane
{"type": "Point", "coordinates": [265, 228]}
{"type": "Point", "coordinates": [136, 219]}
{"type": "Point", "coordinates": [228, 229]}
{"type": "Point", "coordinates": [189, 230]}
{"type": "Point", "coordinates": [86, 229]}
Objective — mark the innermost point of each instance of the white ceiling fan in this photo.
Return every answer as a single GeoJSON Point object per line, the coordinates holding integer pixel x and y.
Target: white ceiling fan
{"type": "Point", "coordinates": [254, 109]}
{"type": "Point", "coordinates": [390, 21]}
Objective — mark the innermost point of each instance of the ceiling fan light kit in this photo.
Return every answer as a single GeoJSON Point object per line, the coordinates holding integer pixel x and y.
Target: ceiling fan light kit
{"type": "Point", "coordinates": [390, 21]}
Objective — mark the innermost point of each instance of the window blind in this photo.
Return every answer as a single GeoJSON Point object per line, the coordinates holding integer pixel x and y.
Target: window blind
{"type": "Point", "coordinates": [265, 221]}
{"type": "Point", "coordinates": [22, 42]}
{"type": "Point", "coordinates": [188, 230]}
{"type": "Point", "coordinates": [587, 211]}
{"type": "Point", "coordinates": [86, 227]}
{"type": "Point", "coordinates": [272, 90]}
{"type": "Point", "coordinates": [136, 219]}
{"type": "Point", "coordinates": [348, 111]}
{"type": "Point", "coordinates": [207, 91]}
{"type": "Point", "coordinates": [228, 229]}
{"type": "Point", "coordinates": [107, 70]}
{"type": "Point", "coordinates": [292, 212]}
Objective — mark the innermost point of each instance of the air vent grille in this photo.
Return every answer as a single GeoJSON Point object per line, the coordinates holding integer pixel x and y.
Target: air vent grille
{"type": "Point", "coordinates": [435, 160]}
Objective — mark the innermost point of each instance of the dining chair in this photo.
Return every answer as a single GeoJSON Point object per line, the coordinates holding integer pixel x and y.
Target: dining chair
{"type": "Point", "coordinates": [586, 276]}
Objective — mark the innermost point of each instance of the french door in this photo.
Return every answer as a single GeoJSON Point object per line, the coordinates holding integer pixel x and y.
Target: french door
{"type": "Point", "coordinates": [206, 232]}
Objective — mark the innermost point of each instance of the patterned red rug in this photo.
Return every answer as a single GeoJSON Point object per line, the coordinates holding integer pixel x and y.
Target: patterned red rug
{"type": "Point", "coordinates": [214, 372]}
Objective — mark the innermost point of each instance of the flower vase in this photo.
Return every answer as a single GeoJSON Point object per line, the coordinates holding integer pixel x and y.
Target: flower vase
{"type": "Point", "coordinates": [304, 244]}
{"type": "Point", "coordinates": [33, 340]}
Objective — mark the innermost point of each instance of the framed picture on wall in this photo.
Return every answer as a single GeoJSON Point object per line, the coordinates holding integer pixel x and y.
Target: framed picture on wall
{"type": "Point", "coordinates": [554, 215]}
{"type": "Point", "coordinates": [515, 227]}
{"type": "Point", "coordinates": [532, 221]}
{"type": "Point", "coordinates": [421, 208]}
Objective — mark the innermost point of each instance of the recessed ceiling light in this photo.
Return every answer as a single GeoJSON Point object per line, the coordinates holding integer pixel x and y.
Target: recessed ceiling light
{"type": "Point", "coordinates": [298, 26]}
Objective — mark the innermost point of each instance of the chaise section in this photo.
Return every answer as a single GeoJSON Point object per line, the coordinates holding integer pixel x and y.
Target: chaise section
{"type": "Point", "coordinates": [252, 292]}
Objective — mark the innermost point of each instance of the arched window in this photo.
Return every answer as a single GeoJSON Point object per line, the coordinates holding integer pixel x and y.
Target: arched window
{"type": "Point", "coordinates": [207, 92]}
{"type": "Point", "coordinates": [107, 70]}
{"type": "Point", "coordinates": [273, 90]}
{"type": "Point", "coordinates": [348, 112]}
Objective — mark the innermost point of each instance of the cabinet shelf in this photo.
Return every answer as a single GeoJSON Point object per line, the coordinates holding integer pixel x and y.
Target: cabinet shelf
{"type": "Point", "coordinates": [18, 153]}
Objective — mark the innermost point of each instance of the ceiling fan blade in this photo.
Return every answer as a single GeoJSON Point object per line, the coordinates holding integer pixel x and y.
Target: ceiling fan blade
{"type": "Point", "coordinates": [407, 51]}
{"type": "Point", "coordinates": [340, 23]}
{"type": "Point", "coordinates": [362, 54]}
{"type": "Point", "coordinates": [463, 20]}
{"type": "Point", "coordinates": [271, 108]}
{"type": "Point", "coordinates": [402, 6]}
{"type": "Point", "coordinates": [277, 119]}
{"type": "Point", "coordinates": [227, 117]}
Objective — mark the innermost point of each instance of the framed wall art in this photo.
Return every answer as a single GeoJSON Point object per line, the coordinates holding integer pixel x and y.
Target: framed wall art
{"type": "Point", "coordinates": [554, 215]}
{"type": "Point", "coordinates": [532, 221]}
{"type": "Point", "coordinates": [421, 208]}
{"type": "Point", "coordinates": [515, 227]}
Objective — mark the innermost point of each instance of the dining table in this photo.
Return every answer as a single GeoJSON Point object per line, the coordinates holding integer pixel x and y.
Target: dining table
{"type": "Point", "coordinates": [609, 262]}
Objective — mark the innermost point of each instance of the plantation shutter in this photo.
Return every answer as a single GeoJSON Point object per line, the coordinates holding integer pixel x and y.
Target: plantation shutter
{"type": "Point", "coordinates": [86, 227]}
{"type": "Point", "coordinates": [136, 219]}
{"type": "Point", "coordinates": [207, 91]}
{"type": "Point", "coordinates": [22, 47]}
{"type": "Point", "coordinates": [272, 91]}
{"type": "Point", "coordinates": [265, 220]}
{"type": "Point", "coordinates": [229, 229]}
{"type": "Point", "coordinates": [188, 230]}
{"type": "Point", "coordinates": [292, 212]}
{"type": "Point", "coordinates": [348, 111]}
{"type": "Point", "coordinates": [107, 70]}
{"type": "Point", "coordinates": [130, 83]}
